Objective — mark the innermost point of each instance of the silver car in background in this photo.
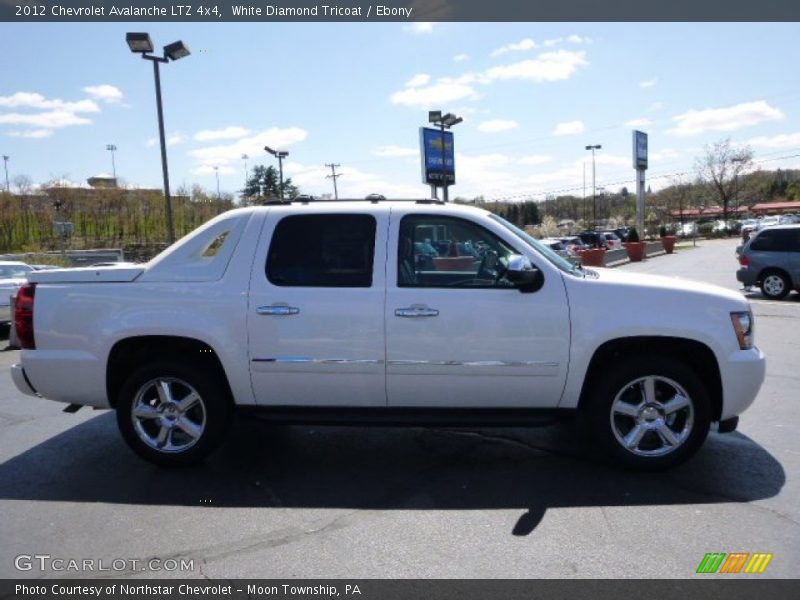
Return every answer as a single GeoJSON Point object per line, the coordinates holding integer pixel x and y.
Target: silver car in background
{"type": "Point", "coordinates": [12, 275]}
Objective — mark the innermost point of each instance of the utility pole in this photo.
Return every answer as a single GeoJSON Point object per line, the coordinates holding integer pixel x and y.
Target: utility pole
{"type": "Point", "coordinates": [333, 176]}
{"type": "Point", "coordinates": [112, 148]}
{"type": "Point", "coordinates": [5, 164]}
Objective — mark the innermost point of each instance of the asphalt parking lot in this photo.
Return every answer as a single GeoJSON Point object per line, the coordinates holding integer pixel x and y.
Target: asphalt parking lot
{"type": "Point", "coordinates": [280, 502]}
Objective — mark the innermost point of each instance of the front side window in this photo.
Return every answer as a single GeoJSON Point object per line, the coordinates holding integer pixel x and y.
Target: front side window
{"type": "Point", "coordinates": [322, 251]}
{"type": "Point", "coordinates": [449, 252]}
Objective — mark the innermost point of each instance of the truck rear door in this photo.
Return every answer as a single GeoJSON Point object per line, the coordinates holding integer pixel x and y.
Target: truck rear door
{"type": "Point", "coordinates": [315, 312]}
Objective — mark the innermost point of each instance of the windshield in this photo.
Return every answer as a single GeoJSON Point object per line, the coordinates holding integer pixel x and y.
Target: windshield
{"type": "Point", "coordinates": [551, 256]}
{"type": "Point", "coordinates": [14, 271]}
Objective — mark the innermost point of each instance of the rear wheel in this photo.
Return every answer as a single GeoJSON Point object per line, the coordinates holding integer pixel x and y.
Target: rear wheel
{"type": "Point", "coordinates": [172, 414]}
{"type": "Point", "coordinates": [650, 413]}
{"type": "Point", "coordinates": [775, 285]}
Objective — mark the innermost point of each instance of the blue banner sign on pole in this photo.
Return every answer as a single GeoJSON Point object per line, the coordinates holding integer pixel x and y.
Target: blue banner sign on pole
{"type": "Point", "coordinates": [436, 163]}
{"type": "Point", "coordinates": [639, 150]}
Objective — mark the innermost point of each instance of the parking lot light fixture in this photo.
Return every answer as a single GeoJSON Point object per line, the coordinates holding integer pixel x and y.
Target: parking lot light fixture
{"type": "Point", "coordinates": [5, 165]}
{"type": "Point", "coordinates": [140, 43]}
{"type": "Point", "coordinates": [280, 155]}
{"type": "Point", "coordinates": [594, 189]}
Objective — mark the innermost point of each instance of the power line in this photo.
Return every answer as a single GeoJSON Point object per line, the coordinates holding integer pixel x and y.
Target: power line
{"type": "Point", "coordinates": [333, 176]}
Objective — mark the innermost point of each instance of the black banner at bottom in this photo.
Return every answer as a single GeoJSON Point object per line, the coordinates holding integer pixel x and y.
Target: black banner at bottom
{"type": "Point", "coordinates": [376, 589]}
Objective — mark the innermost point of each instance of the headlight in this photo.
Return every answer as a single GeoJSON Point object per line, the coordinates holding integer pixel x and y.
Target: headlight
{"type": "Point", "coordinates": [743, 326]}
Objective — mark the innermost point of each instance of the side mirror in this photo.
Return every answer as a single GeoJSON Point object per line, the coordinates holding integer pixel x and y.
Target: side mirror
{"type": "Point", "coordinates": [523, 274]}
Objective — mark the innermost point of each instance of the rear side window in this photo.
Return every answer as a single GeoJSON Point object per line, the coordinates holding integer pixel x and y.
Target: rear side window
{"type": "Point", "coordinates": [777, 240]}
{"type": "Point", "coordinates": [322, 251]}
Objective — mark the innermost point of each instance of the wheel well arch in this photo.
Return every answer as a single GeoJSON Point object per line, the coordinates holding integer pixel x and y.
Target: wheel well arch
{"type": "Point", "coordinates": [696, 355]}
{"type": "Point", "coordinates": [128, 354]}
{"type": "Point", "coordinates": [771, 269]}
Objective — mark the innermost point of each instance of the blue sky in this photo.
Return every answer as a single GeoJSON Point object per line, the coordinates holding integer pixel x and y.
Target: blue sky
{"type": "Point", "coordinates": [532, 95]}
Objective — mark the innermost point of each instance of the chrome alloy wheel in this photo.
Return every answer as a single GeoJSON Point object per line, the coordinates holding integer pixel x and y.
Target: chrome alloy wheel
{"type": "Point", "coordinates": [774, 285]}
{"type": "Point", "coordinates": [652, 416]}
{"type": "Point", "coordinates": [168, 415]}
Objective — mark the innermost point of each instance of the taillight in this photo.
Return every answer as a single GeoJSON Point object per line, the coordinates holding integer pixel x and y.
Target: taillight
{"type": "Point", "coordinates": [23, 316]}
{"type": "Point", "coordinates": [744, 261]}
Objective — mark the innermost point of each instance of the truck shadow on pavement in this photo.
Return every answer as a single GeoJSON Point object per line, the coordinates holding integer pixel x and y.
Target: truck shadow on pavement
{"type": "Point", "coordinates": [267, 466]}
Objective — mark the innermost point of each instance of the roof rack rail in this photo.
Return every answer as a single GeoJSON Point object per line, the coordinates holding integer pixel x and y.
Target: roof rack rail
{"type": "Point", "coordinates": [373, 198]}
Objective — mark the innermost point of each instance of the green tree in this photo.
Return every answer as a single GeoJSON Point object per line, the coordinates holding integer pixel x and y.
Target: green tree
{"type": "Point", "coordinates": [264, 185]}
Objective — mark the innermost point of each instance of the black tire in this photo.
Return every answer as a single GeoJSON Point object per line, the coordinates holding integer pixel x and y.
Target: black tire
{"type": "Point", "coordinates": [194, 428]}
{"type": "Point", "coordinates": [775, 285]}
{"type": "Point", "coordinates": [659, 421]}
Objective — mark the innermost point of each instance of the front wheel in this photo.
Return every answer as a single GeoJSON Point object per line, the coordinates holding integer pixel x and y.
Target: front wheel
{"type": "Point", "coordinates": [173, 415]}
{"type": "Point", "coordinates": [649, 413]}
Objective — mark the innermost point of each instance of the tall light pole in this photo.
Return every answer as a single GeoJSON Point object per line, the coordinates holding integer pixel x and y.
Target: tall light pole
{"type": "Point", "coordinates": [280, 155]}
{"type": "Point", "coordinates": [112, 148]}
{"type": "Point", "coordinates": [594, 190]}
{"type": "Point", "coordinates": [334, 176]}
{"type": "Point", "coordinates": [216, 173]}
{"type": "Point", "coordinates": [5, 164]}
{"type": "Point", "coordinates": [140, 43]}
{"type": "Point", "coordinates": [444, 122]}
{"type": "Point", "coordinates": [244, 158]}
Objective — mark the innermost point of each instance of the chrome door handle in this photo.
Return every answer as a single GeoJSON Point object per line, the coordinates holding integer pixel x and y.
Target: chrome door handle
{"type": "Point", "coordinates": [278, 310]}
{"type": "Point", "coordinates": [416, 311]}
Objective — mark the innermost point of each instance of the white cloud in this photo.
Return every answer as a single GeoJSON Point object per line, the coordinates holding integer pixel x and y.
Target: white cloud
{"type": "Point", "coordinates": [418, 80]}
{"type": "Point", "coordinates": [546, 67]}
{"type": "Point", "coordinates": [521, 46]}
{"type": "Point", "coordinates": [553, 42]}
{"type": "Point", "coordinates": [665, 154]}
{"type": "Point", "coordinates": [569, 128]}
{"type": "Point", "coordinates": [37, 101]}
{"type": "Point", "coordinates": [228, 133]}
{"type": "Point", "coordinates": [210, 170]}
{"type": "Point", "coordinates": [175, 139]}
{"type": "Point", "coordinates": [577, 39]}
{"type": "Point", "coordinates": [497, 125]}
{"type": "Point", "coordinates": [253, 145]}
{"type": "Point", "coordinates": [483, 172]}
{"type": "Point", "coordinates": [54, 119]}
{"type": "Point", "coordinates": [535, 159]}
{"type": "Point", "coordinates": [786, 140]}
{"type": "Point", "coordinates": [395, 151]}
{"type": "Point", "coordinates": [730, 118]}
{"type": "Point", "coordinates": [354, 183]}
{"type": "Point", "coordinates": [31, 134]}
{"type": "Point", "coordinates": [438, 93]}
{"type": "Point", "coordinates": [611, 160]}
{"type": "Point", "coordinates": [105, 93]}
{"type": "Point", "coordinates": [638, 123]}
{"type": "Point", "coordinates": [460, 57]}
{"type": "Point", "coordinates": [648, 83]}
{"type": "Point", "coordinates": [656, 106]}
{"type": "Point", "coordinates": [420, 28]}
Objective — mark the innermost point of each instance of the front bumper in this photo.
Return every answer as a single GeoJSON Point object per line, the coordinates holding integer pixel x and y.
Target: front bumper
{"type": "Point", "coordinates": [742, 376]}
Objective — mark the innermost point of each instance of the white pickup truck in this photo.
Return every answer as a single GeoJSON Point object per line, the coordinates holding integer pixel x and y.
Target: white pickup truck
{"type": "Point", "coordinates": [401, 312]}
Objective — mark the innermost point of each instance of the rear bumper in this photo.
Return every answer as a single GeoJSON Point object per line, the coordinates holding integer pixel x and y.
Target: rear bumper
{"type": "Point", "coordinates": [21, 381]}
{"type": "Point", "coordinates": [746, 276]}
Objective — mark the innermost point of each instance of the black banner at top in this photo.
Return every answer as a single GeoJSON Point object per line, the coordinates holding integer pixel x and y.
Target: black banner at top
{"type": "Point", "coordinates": [396, 10]}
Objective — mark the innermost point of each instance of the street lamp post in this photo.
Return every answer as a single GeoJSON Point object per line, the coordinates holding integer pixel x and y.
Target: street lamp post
{"type": "Point", "coordinates": [280, 155]}
{"type": "Point", "coordinates": [594, 190]}
{"type": "Point", "coordinates": [444, 122]}
{"type": "Point", "coordinates": [140, 43]}
{"type": "Point", "coordinates": [244, 158]}
{"type": "Point", "coordinates": [112, 148]}
{"type": "Point", "coordinates": [216, 173]}
{"type": "Point", "coordinates": [5, 164]}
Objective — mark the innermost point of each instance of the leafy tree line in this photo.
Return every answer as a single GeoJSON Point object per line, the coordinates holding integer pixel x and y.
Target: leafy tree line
{"type": "Point", "coordinates": [100, 217]}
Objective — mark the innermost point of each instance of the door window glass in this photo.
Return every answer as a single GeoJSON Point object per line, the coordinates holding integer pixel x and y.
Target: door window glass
{"type": "Point", "coordinates": [450, 252]}
{"type": "Point", "coordinates": [322, 251]}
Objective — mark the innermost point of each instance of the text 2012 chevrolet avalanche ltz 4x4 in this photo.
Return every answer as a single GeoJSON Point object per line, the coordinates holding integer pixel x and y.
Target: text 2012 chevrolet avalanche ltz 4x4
{"type": "Point", "coordinates": [377, 311]}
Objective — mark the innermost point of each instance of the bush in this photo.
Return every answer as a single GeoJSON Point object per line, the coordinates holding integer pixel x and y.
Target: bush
{"type": "Point", "coordinates": [662, 231]}
{"type": "Point", "coordinates": [705, 229]}
{"type": "Point", "coordinates": [633, 235]}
